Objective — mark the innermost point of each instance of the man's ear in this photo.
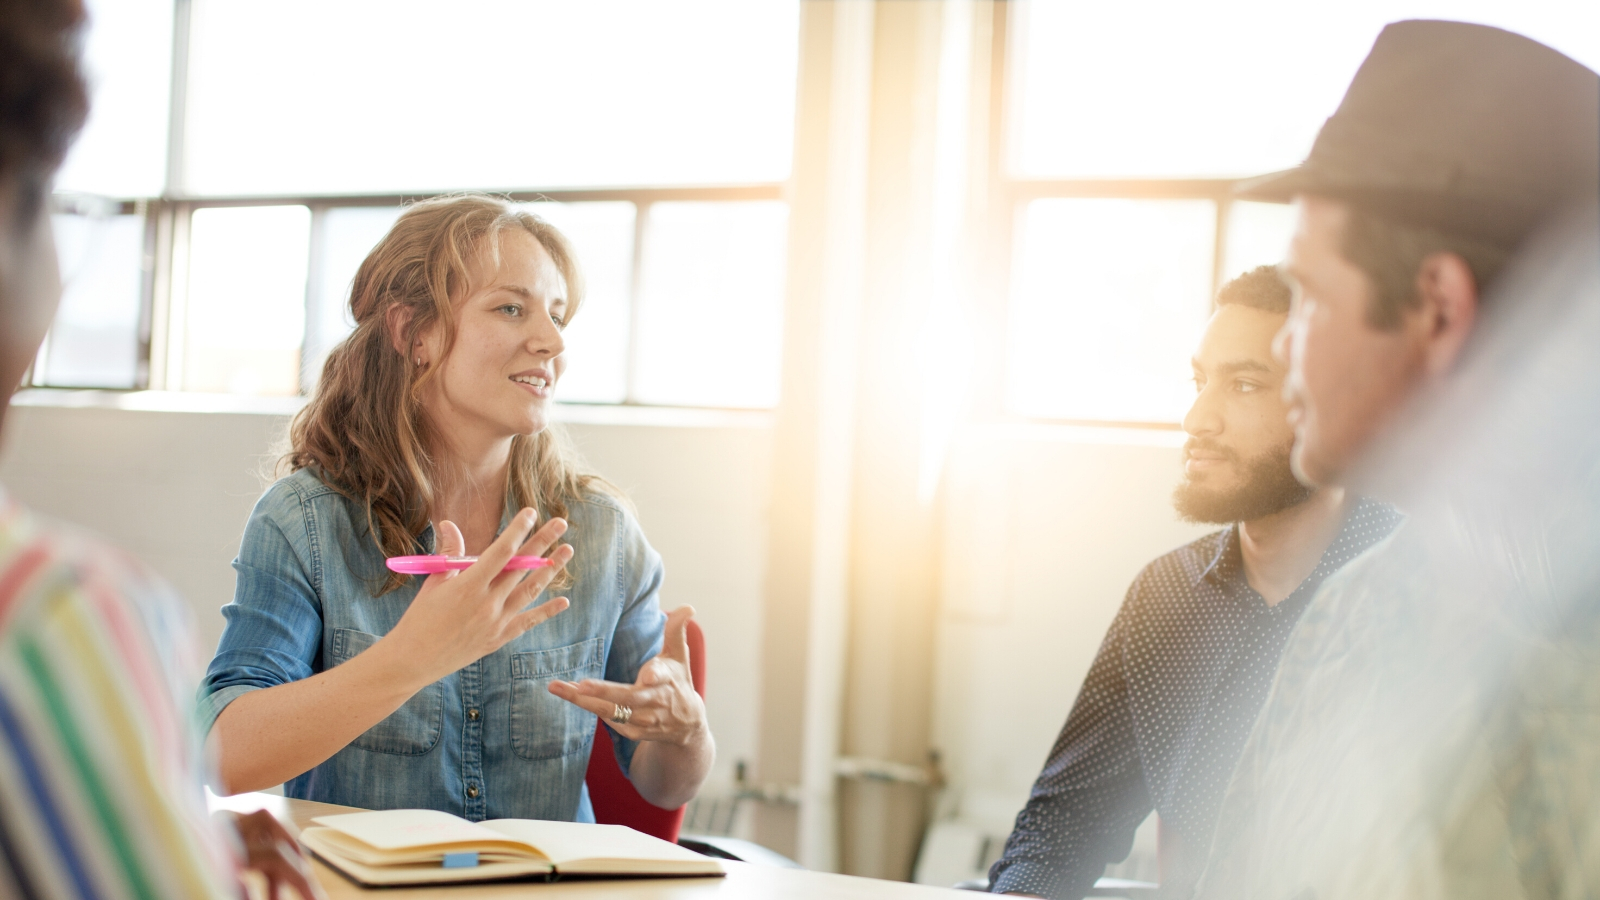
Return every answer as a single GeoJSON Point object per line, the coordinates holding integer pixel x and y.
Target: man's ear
{"type": "Point", "coordinates": [1448, 309]}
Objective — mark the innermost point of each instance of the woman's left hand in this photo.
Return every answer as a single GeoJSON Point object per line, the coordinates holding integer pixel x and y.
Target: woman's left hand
{"type": "Point", "coordinates": [661, 703]}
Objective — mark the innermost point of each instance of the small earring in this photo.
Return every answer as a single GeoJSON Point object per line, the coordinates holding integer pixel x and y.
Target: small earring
{"type": "Point", "coordinates": [419, 362]}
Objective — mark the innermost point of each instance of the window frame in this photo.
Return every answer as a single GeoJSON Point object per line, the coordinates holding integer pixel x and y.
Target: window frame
{"type": "Point", "coordinates": [163, 298]}
{"type": "Point", "coordinates": [168, 289]}
{"type": "Point", "coordinates": [163, 294]}
{"type": "Point", "coordinates": [79, 204]}
{"type": "Point", "coordinates": [1008, 195]}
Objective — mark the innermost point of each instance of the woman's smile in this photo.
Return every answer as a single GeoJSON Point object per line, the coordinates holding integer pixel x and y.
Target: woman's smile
{"type": "Point", "coordinates": [537, 382]}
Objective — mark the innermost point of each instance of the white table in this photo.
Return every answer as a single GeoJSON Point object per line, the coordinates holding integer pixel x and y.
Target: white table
{"type": "Point", "coordinates": [744, 882]}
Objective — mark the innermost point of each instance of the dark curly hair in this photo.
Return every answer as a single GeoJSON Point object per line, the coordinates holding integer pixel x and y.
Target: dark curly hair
{"type": "Point", "coordinates": [1260, 288]}
{"type": "Point", "coordinates": [43, 99]}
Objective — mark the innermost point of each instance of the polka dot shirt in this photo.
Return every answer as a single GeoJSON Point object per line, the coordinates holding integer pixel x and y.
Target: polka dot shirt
{"type": "Point", "coordinates": [1163, 714]}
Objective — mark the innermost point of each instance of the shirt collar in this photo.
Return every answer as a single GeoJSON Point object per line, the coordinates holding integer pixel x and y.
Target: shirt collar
{"type": "Point", "coordinates": [1367, 522]}
{"type": "Point", "coordinates": [1226, 564]}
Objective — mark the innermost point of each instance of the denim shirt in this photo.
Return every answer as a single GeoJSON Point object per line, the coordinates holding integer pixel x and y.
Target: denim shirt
{"type": "Point", "coordinates": [488, 741]}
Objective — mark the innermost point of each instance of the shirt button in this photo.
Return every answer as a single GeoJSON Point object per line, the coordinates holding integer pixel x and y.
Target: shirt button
{"type": "Point", "coordinates": [473, 714]}
{"type": "Point", "coordinates": [472, 790]}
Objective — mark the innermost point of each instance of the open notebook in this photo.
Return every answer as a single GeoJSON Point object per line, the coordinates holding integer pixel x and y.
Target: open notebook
{"type": "Point", "coordinates": [424, 846]}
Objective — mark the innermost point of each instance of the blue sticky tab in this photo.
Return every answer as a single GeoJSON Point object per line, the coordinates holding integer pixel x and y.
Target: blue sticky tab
{"type": "Point", "coordinates": [461, 860]}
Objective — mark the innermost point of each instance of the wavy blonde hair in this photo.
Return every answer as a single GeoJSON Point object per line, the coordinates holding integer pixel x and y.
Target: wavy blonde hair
{"type": "Point", "coordinates": [365, 433]}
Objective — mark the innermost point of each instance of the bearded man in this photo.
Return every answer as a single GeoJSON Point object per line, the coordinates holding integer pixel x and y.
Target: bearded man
{"type": "Point", "coordinates": [1185, 667]}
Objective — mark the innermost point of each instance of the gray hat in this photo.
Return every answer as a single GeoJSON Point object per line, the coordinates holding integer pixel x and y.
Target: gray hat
{"type": "Point", "coordinates": [1465, 128]}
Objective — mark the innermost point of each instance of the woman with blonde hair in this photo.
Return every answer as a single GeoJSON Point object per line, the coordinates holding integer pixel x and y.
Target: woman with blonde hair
{"type": "Point", "coordinates": [429, 433]}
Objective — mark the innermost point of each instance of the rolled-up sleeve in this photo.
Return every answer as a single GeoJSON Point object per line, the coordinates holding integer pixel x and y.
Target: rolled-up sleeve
{"type": "Point", "coordinates": [640, 628]}
{"type": "Point", "coordinates": [273, 630]}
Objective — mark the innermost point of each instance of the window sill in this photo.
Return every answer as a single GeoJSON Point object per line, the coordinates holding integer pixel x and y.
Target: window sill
{"type": "Point", "coordinates": [661, 416]}
{"type": "Point", "coordinates": [190, 402]}
{"type": "Point", "coordinates": [157, 401]}
{"type": "Point", "coordinates": [1036, 431]}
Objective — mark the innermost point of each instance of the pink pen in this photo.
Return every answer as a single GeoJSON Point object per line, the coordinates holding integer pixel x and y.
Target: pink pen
{"type": "Point", "coordinates": [432, 565]}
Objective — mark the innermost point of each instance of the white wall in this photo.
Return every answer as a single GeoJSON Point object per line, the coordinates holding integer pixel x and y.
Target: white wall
{"type": "Point", "coordinates": [702, 495]}
{"type": "Point", "coordinates": [175, 488]}
{"type": "Point", "coordinates": [1045, 527]}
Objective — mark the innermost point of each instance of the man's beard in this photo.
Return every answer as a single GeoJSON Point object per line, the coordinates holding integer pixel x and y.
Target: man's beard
{"type": "Point", "coordinates": [1269, 487]}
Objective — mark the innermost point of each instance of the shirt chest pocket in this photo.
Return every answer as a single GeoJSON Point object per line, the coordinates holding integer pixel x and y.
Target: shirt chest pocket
{"type": "Point", "coordinates": [544, 726]}
{"type": "Point", "coordinates": [411, 730]}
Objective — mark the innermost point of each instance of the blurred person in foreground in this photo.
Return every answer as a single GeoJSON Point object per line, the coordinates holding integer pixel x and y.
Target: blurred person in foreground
{"type": "Point", "coordinates": [1186, 664]}
{"type": "Point", "coordinates": [1434, 726]}
{"type": "Point", "coordinates": [100, 767]}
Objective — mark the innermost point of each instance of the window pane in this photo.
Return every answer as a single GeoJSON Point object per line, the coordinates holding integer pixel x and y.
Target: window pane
{"type": "Point", "coordinates": [306, 96]}
{"type": "Point", "coordinates": [347, 235]}
{"type": "Point", "coordinates": [597, 339]}
{"type": "Point", "coordinates": [1165, 88]}
{"type": "Point", "coordinates": [1107, 300]}
{"type": "Point", "coordinates": [94, 340]}
{"type": "Point", "coordinates": [711, 304]}
{"type": "Point", "coordinates": [1258, 235]}
{"type": "Point", "coordinates": [247, 299]}
{"type": "Point", "coordinates": [127, 55]}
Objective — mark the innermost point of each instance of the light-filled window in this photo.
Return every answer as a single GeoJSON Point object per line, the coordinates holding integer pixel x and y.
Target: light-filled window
{"type": "Point", "coordinates": [693, 320]}
{"type": "Point", "coordinates": [711, 304]}
{"type": "Point", "coordinates": [1107, 299]}
{"type": "Point", "coordinates": [379, 96]}
{"type": "Point", "coordinates": [95, 338]}
{"type": "Point", "coordinates": [1175, 89]}
{"type": "Point", "coordinates": [1258, 235]}
{"type": "Point", "coordinates": [273, 147]}
{"type": "Point", "coordinates": [245, 313]}
{"type": "Point", "coordinates": [127, 58]}
{"type": "Point", "coordinates": [1128, 125]}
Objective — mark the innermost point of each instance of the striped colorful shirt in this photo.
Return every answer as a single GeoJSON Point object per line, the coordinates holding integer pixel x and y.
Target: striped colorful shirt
{"type": "Point", "coordinates": [100, 759]}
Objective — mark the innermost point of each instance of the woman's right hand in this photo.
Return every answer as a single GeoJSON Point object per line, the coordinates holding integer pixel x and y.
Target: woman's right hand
{"type": "Point", "coordinates": [460, 617]}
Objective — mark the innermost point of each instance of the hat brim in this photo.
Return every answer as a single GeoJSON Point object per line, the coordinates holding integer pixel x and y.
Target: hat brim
{"type": "Point", "coordinates": [1500, 220]}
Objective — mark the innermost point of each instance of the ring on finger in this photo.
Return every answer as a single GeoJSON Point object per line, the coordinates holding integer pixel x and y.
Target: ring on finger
{"type": "Point", "coordinates": [621, 714]}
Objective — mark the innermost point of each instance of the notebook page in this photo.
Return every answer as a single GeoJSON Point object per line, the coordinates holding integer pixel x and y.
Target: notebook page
{"type": "Point", "coordinates": [327, 840]}
{"type": "Point", "coordinates": [562, 842]}
{"type": "Point", "coordinates": [404, 829]}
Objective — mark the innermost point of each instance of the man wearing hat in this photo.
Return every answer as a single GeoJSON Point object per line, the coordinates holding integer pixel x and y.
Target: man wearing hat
{"type": "Point", "coordinates": [1434, 726]}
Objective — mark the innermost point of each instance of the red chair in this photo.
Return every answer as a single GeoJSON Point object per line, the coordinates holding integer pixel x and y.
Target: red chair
{"type": "Point", "coordinates": [613, 795]}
